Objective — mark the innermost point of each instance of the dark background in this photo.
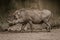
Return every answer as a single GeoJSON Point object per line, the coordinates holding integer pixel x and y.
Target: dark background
{"type": "Point", "coordinates": [9, 6]}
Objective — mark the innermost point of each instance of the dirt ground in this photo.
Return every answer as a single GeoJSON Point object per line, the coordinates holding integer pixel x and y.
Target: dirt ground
{"type": "Point", "coordinates": [53, 35]}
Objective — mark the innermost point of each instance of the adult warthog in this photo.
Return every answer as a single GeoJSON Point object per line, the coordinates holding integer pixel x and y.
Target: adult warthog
{"type": "Point", "coordinates": [32, 16]}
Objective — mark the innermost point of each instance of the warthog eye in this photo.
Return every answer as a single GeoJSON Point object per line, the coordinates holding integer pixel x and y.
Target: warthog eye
{"type": "Point", "coordinates": [15, 18]}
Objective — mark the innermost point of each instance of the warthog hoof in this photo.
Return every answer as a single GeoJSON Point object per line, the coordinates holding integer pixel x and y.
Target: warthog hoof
{"type": "Point", "coordinates": [22, 31]}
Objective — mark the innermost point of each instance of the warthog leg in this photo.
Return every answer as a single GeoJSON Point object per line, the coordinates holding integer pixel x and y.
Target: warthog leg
{"type": "Point", "coordinates": [22, 28]}
{"type": "Point", "coordinates": [48, 28]}
{"type": "Point", "coordinates": [30, 22]}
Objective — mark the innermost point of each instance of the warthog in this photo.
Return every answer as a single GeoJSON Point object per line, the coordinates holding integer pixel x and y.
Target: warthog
{"type": "Point", "coordinates": [32, 16]}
